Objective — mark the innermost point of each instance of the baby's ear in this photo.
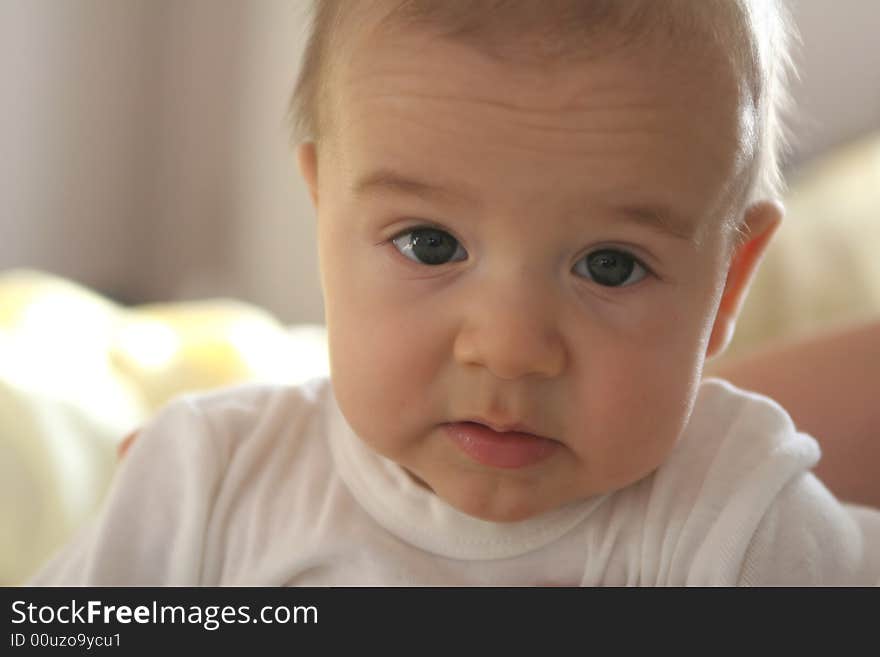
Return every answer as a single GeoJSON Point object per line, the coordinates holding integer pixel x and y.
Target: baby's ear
{"type": "Point", "coordinates": [761, 221]}
{"type": "Point", "coordinates": [307, 157]}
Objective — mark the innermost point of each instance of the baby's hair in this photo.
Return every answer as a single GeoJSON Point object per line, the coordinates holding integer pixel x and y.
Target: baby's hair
{"type": "Point", "coordinates": [755, 34]}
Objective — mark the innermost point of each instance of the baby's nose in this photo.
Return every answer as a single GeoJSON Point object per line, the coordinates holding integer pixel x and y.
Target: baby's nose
{"type": "Point", "coordinates": [513, 335]}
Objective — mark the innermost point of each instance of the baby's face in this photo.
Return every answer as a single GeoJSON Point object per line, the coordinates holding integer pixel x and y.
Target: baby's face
{"type": "Point", "coordinates": [543, 251]}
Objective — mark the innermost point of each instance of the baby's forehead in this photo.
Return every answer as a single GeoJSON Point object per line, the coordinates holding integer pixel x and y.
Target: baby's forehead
{"type": "Point", "coordinates": [562, 35]}
{"type": "Point", "coordinates": [385, 47]}
{"type": "Point", "coordinates": [748, 40]}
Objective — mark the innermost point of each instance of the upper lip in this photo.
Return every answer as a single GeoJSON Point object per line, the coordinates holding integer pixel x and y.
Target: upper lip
{"type": "Point", "coordinates": [503, 427]}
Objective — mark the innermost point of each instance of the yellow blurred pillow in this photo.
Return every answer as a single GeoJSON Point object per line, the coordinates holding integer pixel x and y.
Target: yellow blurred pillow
{"type": "Point", "coordinates": [78, 373]}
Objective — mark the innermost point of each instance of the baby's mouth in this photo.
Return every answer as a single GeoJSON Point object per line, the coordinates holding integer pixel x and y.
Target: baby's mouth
{"type": "Point", "coordinates": [508, 448]}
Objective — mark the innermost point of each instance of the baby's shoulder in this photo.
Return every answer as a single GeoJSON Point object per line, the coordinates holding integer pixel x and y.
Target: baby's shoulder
{"type": "Point", "coordinates": [252, 418]}
{"type": "Point", "coordinates": [242, 406]}
{"type": "Point", "coordinates": [743, 428]}
{"type": "Point", "coordinates": [738, 453]}
{"type": "Point", "coordinates": [738, 450]}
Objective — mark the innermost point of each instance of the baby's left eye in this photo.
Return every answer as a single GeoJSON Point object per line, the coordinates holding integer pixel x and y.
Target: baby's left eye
{"type": "Point", "coordinates": [610, 268]}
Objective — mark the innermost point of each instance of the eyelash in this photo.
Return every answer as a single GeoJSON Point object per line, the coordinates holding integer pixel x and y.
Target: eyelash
{"type": "Point", "coordinates": [632, 263]}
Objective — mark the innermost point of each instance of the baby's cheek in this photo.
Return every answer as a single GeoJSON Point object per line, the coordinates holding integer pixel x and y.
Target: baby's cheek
{"type": "Point", "coordinates": [373, 374]}
{"type": "Point", "coordinates": [633, 409]}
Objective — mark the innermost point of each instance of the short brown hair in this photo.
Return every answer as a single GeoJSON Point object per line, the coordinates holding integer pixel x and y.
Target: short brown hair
{"type": "Point", "coordinates": [756, 34]}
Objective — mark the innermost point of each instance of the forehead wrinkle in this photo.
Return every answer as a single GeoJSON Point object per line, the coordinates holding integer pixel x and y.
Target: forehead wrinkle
{"type": "Point", "coordinates": [616, 115]}
{"type": "Point", "coordinates": [559, 92]}
{"type": "Point", "coordinates": [642, 119]}
{"type": "Point", "coordinates": [577, 105]}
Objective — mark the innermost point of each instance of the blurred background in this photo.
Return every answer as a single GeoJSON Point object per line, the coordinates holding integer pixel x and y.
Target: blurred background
{"type": "Point", "coordinates": [145, 154]}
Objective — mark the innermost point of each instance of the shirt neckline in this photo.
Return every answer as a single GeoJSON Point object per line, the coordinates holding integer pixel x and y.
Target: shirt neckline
{"type": "Point", "coordinates": [421, 518]}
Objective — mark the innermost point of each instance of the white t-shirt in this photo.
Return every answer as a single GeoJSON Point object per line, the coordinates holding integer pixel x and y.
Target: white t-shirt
{"type": "Point", "coordinates": [269, 486]}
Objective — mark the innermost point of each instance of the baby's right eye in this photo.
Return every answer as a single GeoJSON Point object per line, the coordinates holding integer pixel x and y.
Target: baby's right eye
{"type": "Point", "coordinates": [429, 246]}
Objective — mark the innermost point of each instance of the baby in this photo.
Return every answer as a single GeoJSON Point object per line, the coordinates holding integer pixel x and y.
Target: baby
{"type": "Point", "coordinates": [536, 221]}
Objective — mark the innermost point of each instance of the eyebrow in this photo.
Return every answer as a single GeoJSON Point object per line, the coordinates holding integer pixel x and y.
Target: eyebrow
{"type": "Point", "coordinates": [388, 181]}
{"type": "Point", "coordinates": [664, 221]}
{"type": "Point", "coordinates": [657, 218]}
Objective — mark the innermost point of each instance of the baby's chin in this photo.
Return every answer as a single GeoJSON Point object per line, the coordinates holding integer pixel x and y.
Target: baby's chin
{"type": "Point", "coordinates": [503, 500]}
{"type": "Point", "coordinates": [505, 503]}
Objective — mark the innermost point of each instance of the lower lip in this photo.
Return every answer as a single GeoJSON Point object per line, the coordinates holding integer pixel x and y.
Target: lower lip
{"type": "Point", "coordinates": [497, 449]}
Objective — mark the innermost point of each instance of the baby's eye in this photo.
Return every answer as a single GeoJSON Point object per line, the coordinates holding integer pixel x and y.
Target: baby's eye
{"type": "Point", "coordinates": [610, 268]}
{"type": "Point", "coordinates": [429, 246]}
